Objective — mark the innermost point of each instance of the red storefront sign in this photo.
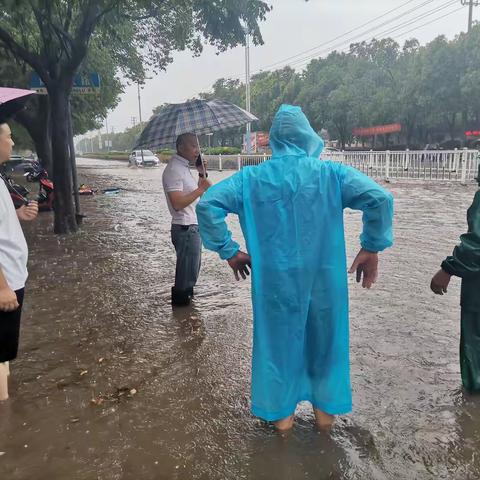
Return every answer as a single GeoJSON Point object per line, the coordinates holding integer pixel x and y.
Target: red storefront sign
{"type": "Point", "coordinates": [380, 130]}
{"type": "Point", "coordinates": [472, 133]}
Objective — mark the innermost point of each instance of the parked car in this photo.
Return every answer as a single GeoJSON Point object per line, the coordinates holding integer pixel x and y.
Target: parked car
{"type": "Point", "coordinates": [144, 158]}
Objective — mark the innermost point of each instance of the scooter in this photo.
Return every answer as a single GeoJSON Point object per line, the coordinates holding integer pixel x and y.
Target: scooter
{"type": "Point", "coordinates": [46, 195]}
{"type": "Point", "coordinates": [18, 193]}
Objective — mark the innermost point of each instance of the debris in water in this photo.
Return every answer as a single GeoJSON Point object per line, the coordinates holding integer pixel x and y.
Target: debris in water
{"type": "Point", "coordinates": [96, 401]}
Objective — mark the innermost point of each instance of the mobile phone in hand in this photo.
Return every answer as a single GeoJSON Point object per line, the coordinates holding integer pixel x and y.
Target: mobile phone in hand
{"type": "Point", "coordinates": [199, 163]}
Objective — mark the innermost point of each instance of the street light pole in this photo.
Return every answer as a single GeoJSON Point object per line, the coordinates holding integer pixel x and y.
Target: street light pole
{"type": "Point", "coordinates": [247, 90]}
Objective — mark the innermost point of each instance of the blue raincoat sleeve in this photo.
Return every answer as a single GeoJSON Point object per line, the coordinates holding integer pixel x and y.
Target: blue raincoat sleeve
{"type": "Point", "coordinates": [360, 192]}
{"type": "Point", "coordinates": [216, 203]}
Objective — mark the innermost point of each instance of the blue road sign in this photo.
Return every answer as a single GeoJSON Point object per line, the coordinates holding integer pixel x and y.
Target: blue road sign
{"type": "Point", "coordinates": [82, 84]}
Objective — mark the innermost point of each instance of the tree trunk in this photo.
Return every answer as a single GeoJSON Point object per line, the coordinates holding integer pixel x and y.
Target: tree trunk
{"type": "Point", "coordinates": [65, 220]}
{"type": "Point", "coordinates": [38, 127]}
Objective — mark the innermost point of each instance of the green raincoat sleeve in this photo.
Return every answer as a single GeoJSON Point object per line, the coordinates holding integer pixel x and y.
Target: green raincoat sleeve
{"type": "Point", "coordinates": [465, 259]}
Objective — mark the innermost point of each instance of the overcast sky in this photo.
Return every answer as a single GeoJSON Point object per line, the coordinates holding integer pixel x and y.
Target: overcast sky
{"type": "Point", "coordinates": [293, 27]}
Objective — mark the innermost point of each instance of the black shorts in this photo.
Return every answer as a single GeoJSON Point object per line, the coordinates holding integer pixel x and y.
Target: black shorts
{"type": "Point", "coordinates": [10, 330]}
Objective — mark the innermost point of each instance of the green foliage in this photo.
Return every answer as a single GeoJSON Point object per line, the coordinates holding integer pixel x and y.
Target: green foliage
{"type": "Point", "coordinates": [165, 151]}
{"type": "Point", "coordinates": [432, 90]}
{"type": "Point", "coordinates": [221, 151]}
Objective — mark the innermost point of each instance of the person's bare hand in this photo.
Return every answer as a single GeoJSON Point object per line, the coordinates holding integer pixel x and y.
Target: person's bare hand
{"type": "Point", "coordinates": [240, 264]}
{"type": "Point", "coordinates": [8, 300]}
{"type": "Point", "coordinates": [28, 212]}
{"type": "Point", "coordinates": [366, 266]}
{"type": "Point", "coordinates": [440, 281]}
{"type": "Point", "coordinates": [204, 184]}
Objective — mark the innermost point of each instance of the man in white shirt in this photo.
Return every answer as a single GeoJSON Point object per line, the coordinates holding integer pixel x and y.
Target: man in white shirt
{"type": "Point", "coordinates": [183, 191]}
{"type": "Point", "coordinates": [13, 265]}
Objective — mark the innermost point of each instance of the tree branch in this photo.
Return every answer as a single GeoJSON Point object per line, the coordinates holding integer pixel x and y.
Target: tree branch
{"type": "Point", "coordinates": [68, 16]}
{"type": "Point", "coordinates": [82, 37]}
{"type": "Point", "coordinates": [7, 41]}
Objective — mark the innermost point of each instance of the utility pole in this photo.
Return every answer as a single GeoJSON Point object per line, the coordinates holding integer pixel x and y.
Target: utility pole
{"type": "Point", "coordinates": [106, 128]}
{"type": "Point", "coordinates": [248, 141]}
{"type": "Point", "coordinates": [140, 114]}
{"type": "Point", "coordinates": [139, 104]}
{"type": "Point", "coordinates": [134, 121]}
{"type": "Point", "coordinates": [471, 4]}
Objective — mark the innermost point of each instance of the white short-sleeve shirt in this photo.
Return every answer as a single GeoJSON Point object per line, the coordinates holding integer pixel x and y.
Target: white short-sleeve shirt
{"type": "Point", "coordinates": [13, 247]}
{"type": "Point", "coordinates": [177, 177]}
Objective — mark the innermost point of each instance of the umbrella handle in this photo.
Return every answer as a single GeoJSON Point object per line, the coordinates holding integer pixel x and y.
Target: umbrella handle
{"type": "Point", "coordinates": [201, 159]}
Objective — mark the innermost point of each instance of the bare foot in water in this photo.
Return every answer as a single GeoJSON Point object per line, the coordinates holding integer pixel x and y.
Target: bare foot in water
{"type": "Point", "coordinates": [323, 420]}
{"type": "Point", "coordinates": [284, 424]}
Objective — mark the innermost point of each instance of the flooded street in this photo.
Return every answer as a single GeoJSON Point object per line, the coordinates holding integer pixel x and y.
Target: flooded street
{"type": "Point", "coordinates": [111, 384]}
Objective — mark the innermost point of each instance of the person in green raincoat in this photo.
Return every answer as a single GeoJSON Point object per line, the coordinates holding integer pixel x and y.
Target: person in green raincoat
{"type": "Point", "coordinates": [465, 263]}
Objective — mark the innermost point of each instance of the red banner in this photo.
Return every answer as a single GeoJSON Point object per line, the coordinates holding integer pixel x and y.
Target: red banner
{"type": "Point", "coordinates": [380, 130]}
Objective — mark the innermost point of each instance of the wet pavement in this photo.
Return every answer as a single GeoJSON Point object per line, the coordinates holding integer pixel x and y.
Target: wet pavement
{"type": "Point", "coordinates": [111, 383]}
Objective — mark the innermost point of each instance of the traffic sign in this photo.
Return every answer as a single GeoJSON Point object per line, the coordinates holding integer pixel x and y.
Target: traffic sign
{"type": "Point", "coordinates": [82, 84]}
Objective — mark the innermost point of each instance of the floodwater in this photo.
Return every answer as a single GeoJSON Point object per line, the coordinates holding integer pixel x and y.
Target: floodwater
{"type": "Point", "coordinates": [112, 384]}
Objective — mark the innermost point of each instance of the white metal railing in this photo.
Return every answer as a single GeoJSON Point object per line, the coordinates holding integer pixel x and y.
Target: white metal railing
{"type": "Point", "coordinates": [450, 165]}
{"type": "Point", "coordinates": [447, 165]}
{"type": "Point", "coordinates": [234, 162]}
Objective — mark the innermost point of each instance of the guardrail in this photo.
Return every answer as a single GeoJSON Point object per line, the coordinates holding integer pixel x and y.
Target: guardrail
{"type": "Point", "coordinates": [445, 165]}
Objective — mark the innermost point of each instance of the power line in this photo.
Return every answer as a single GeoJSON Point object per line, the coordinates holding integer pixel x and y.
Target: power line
{"type": "Point", "coordinates": [358, 28]}
{"type": "Point", "coordinates": [348, 41]}
{"type": "Point", "coordinates": [426, 2]}
{"type": "Point", "coordinates": [387, 32]}
{"type": "Point", "coordinates": [384, 33]}
{"type": "Point", "coordinates": [407, 31]}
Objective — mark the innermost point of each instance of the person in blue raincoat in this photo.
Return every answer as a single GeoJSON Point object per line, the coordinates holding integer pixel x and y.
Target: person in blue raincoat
{"type": "Point", "coordinates": [291, 213]}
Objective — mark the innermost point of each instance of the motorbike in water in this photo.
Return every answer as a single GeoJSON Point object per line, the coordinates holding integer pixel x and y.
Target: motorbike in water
{"type": "Point", "coordinates": [18, 193]}
{"type": "Point", "coordinates": [35, 173]}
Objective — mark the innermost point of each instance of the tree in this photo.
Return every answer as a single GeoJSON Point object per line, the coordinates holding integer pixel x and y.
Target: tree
{"type": "Point", "coordinates": [270, 90]}
{"type": "Point", "coordinates": [53, 37]}
{"type": "Point", "coordinates": [87, 110]}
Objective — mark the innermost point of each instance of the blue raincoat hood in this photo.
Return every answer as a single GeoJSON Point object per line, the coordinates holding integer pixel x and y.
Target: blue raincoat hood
{"type": "Point", "coordinates": [292, 134]}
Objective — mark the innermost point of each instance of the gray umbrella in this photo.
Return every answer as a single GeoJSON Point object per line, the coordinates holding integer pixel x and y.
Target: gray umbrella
{"type": "Point", "coordinates": [195, 116]}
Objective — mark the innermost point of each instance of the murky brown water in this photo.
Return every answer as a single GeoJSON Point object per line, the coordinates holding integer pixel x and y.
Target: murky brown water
{"type": "Point", "coordinates": [171, 396]}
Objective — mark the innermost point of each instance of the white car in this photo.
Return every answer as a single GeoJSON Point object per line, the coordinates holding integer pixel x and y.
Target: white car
{"type": "Point", "coordinates": [144, 158]}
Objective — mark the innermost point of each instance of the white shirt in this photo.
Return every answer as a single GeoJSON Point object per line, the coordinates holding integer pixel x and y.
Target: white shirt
{"type": "Point", "coordinates": [177, 177]}
{"type": "Point", "coordinates": [13, 247]}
